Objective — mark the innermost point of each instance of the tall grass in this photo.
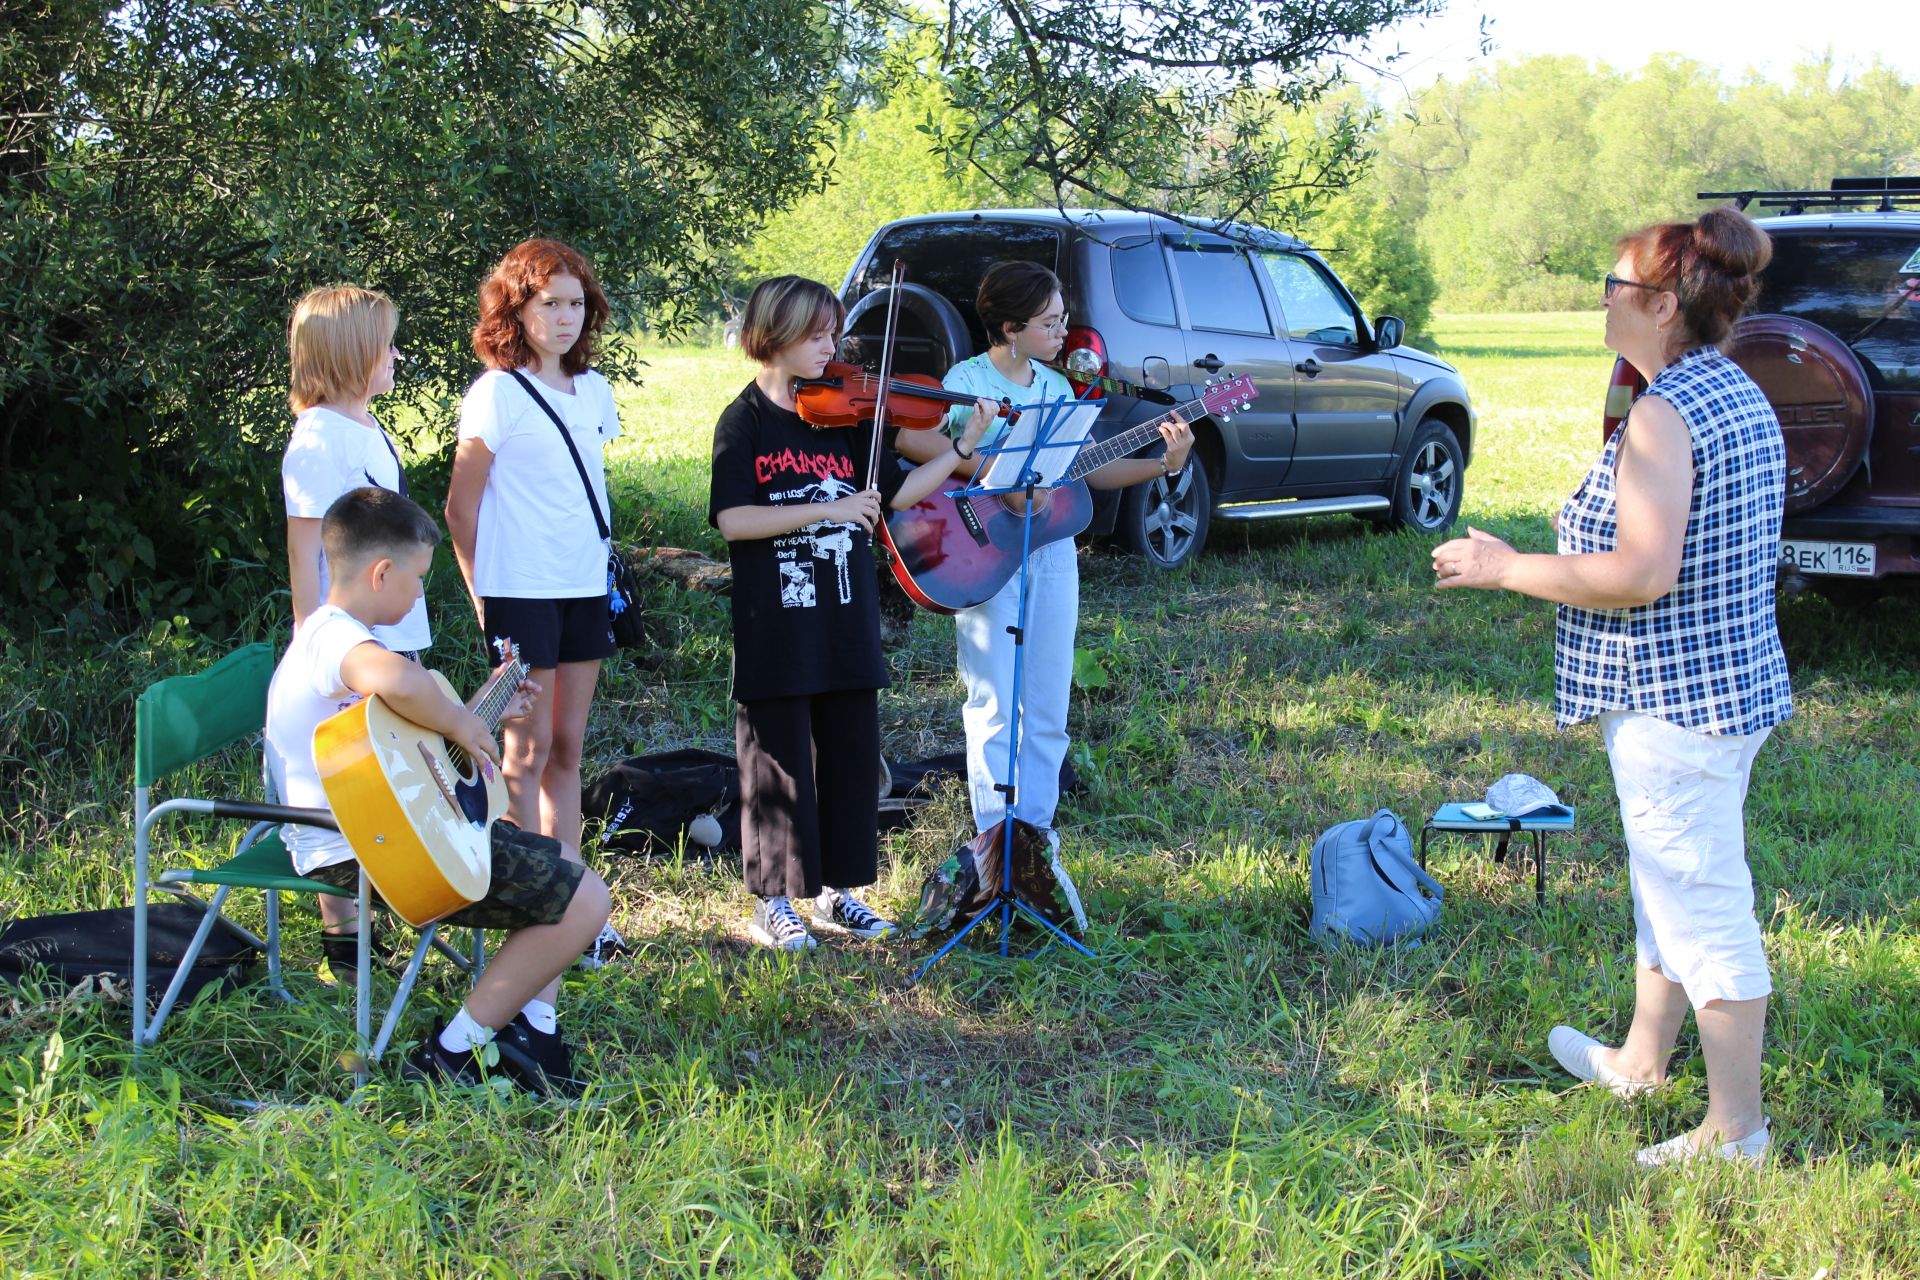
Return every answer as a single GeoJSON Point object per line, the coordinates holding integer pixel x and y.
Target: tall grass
{"type": "Point", "coordinates": [1215, 1096]}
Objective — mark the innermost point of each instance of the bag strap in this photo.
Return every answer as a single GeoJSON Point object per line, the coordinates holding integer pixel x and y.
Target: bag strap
{"type": "Point", "coordinates": [1402, 872]}
{"type": "Point", "coordinates": [599, 521]}
{"type": "Point", "coordinates": [394, 453]}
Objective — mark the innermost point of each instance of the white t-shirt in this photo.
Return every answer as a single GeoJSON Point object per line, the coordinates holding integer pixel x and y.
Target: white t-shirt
{"type": "Point", "coordinates": [306, 689]}
{"type": "Point", "coordinates": [328, 455]}
{"type": "Point", "coordinates": [537, 539]}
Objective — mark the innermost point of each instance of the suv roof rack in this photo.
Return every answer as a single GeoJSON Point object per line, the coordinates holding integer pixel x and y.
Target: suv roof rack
{"type": "Point", "coordinates": [1885, 194]}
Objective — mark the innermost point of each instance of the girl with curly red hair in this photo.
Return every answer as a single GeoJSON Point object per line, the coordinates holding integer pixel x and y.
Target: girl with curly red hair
{"type": "Point", "coordinates": [527, 508]}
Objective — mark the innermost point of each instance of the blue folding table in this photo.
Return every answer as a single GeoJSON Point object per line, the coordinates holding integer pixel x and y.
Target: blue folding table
{"type": "Point", "coordinates": [1453, 817]}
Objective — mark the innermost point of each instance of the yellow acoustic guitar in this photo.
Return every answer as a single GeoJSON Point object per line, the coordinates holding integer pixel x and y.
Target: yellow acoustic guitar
{"type": "Point", "coordinates": [416, 810]}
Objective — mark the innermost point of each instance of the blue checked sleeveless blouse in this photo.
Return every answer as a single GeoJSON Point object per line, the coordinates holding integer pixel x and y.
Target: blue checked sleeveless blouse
{"type": "Point", "coordinates": [1706, 656]}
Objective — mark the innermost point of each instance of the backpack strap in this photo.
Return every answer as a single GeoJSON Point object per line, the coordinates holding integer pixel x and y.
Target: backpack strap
{"type": "Point", "coordinates": [1396, 867]}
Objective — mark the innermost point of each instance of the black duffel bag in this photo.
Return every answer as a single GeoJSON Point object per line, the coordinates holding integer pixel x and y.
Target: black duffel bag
{"type": "Point", "coordinates": [81, 948]}
{"type": "Point", "coordinates": [646, 803]}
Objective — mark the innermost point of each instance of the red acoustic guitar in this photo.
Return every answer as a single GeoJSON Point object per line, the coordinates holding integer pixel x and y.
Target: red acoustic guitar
{"type": "Point", "coordinates": [951, 553]}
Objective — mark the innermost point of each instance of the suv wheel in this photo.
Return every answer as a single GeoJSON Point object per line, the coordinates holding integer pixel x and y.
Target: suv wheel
{"type": "Point", "coordinates": [1427, 494]}
{"type": "Point", "coordinates": [1166, 518]}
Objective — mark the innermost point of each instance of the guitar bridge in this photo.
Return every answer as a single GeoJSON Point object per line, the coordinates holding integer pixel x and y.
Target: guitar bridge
{"type": "Point", "coordinates": [971, 518]}
{"type": "Point", "coordinates": [439, 777]}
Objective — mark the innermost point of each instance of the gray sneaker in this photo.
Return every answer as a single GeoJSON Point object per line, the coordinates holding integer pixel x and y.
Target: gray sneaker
{"type": "Point", "coordinates": [776, 924]}
{"type": "Point", "coordinates": [838, 911]}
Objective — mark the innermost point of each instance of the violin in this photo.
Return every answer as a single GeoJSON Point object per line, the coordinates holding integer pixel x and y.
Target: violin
{"type": "Point", "coordinates": [846, 395]}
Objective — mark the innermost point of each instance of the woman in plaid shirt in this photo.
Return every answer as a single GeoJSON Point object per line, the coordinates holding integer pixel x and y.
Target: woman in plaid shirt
{"type": "Point", "coordinates": [1665, 633]}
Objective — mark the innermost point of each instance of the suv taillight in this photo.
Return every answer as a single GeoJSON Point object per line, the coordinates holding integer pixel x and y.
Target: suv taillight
{"type": "Point", "coordinates": [1085, 352]}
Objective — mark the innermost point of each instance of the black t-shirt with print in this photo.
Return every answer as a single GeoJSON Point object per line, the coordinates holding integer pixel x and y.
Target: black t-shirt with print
{"type": "Point", "coordinates": [806, 610]}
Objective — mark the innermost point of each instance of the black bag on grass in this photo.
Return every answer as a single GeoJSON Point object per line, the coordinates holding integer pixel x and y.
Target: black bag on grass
{"type": "Point", "coordinates": [82, 947]}
{"type": "Point", "coordinates": [646, 803]}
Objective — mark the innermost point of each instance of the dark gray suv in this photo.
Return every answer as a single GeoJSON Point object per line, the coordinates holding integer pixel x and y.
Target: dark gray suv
{"type": "Point", "coordinates": [1347, 420]}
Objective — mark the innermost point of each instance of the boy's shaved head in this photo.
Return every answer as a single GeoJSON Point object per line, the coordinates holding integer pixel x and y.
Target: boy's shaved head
{"type": "Point", "coordinates": [371, 523]}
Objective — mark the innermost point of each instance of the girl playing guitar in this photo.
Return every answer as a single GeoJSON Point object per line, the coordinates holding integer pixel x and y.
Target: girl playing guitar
{"type": "Point", "coordinates": [1022, 306]}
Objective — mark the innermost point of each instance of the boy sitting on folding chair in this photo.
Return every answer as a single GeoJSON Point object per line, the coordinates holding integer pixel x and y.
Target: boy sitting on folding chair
{"type": "Point", "coordinates": [379, 546]}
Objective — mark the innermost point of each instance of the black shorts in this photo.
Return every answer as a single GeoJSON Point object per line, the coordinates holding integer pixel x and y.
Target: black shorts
{"type": "Point", "coordinates": [532, 883]}
{"type": "Point", "coordinates": [548, 632]}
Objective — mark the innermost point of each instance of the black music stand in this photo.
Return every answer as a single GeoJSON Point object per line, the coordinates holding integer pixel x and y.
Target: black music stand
{"type": "Point", "coordinates": [1050, 416]}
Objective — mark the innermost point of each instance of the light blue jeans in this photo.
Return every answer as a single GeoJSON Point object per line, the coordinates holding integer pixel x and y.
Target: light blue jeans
{"type": "Point", "coordinates": [986, 664]}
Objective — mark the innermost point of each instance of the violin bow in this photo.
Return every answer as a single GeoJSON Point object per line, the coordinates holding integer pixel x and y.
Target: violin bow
{"type": "Point", "coordinates": [886, 369]}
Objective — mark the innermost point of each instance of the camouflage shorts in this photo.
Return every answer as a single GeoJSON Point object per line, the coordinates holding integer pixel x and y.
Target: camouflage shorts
{"type": "Point", "coordinates": [532, 882]}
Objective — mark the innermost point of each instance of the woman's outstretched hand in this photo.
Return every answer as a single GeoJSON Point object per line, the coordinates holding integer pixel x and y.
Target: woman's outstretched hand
{"type": "Point", "coordinates": [1477, 560]}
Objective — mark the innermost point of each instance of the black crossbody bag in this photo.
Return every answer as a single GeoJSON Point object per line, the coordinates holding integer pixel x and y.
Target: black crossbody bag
{"type": "Point", "coordinates": [623, 593]}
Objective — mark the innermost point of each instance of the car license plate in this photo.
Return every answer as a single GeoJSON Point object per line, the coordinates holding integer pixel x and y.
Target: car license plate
{"type": "Point", "coordinates": [1843, 559]}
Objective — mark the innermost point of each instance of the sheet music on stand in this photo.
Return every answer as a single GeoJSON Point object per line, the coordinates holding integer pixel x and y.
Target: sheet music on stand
{"type": "Point", "coordinates": [1046, 440]}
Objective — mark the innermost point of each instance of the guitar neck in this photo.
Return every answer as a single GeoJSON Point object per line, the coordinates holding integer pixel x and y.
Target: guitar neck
{"type": "Point", "coordinates": [498, 692]}
{"type": "Point", "coordinates": [495, 694]}
{"type": "Point", "coordinates": [1099, 455]}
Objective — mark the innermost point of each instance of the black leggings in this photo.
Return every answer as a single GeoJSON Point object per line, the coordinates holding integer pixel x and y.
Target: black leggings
{"type": "Point", "coordinates": [809, 792]}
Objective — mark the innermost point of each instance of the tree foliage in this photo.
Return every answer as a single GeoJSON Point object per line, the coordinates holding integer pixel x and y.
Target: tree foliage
{"type": "Point", "coordinates": [1169, 106]}
{"type": "Point", "coordinates": [1521, 177]}
{"type": "Point", "coordinates": [880, 166]}
{"type": "Point", "coordinates": [175, 174]}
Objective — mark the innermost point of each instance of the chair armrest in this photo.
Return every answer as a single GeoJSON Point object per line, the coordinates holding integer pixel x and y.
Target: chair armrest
{"type": "Point", "coordinates": [249, 810]}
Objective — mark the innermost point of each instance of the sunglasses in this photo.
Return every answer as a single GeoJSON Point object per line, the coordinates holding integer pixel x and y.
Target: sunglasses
{"type": "Point", "coordinates": [1615, 282]}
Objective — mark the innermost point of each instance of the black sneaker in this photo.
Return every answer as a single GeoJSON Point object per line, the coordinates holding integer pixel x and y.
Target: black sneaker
{"type": "Point", "coordinates": [544, 1056]}
{"type": "Point", "coordinates": [431, 1063]}
{"type": "Point", "coordinates": [340, 957]}
{"type": "Point", "coordinates": [838, 911]}
{"type": "Point", "coordinates": [777, 925]}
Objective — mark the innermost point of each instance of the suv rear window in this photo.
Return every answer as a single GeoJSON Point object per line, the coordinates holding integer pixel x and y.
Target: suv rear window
{"type": "Point", "coordinates": [950, 258]}
{"type": "Point", "coordinates": [1856, 286]}
{"type": "Point", "coordinates": [1219, 287]}
{"type": "Point", "coordinates": [1140, 281]}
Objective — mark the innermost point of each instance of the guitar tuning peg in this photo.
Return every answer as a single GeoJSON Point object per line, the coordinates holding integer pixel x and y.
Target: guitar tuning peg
{"type": "Point", "coordinates": [1226, 417]}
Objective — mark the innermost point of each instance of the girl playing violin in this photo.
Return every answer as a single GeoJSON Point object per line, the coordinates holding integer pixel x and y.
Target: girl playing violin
{"type": "Point", "coordinates": [798, 512]}
{"type": "Point", "coordinates": [1022, 306]}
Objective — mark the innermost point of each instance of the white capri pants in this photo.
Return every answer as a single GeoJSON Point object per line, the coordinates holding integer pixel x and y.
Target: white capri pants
{"type": "Point", "coordinates": [1682, 802]}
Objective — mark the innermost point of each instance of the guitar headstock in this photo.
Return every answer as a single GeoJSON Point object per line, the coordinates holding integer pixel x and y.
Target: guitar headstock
{"type": "Point", "coordinates": [1225, 396]}
{"type": "Point", "coordinates": [509, 652]}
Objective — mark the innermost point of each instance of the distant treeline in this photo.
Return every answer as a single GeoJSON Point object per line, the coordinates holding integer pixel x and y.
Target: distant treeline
{"type": "Point", "coordinates": [1502, 191]}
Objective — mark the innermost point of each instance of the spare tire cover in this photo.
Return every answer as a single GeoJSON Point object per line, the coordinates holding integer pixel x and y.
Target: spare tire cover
{"type": "Point", "coordinates": [931, 339]}
{"type": "Point", "coordinates": [1819, 390]}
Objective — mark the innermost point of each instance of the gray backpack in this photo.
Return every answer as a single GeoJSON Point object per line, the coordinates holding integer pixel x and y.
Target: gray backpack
{"type": "Point", "coordinates": [1367, 888]}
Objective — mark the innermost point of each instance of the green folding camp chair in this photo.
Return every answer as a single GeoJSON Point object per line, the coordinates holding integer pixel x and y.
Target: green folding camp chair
{"type": "Point", "coordinates": [185, 719]}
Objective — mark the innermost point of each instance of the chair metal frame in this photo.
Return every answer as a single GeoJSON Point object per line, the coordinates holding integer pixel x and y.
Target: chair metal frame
{"type": "Point", "coordinates": [264, 817]}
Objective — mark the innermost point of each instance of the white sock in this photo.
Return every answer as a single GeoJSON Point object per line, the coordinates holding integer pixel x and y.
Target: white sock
{"type": "Point", "coordinates": [542, 1017]}
{"type": "Point", "coordinates": [463, 1033]}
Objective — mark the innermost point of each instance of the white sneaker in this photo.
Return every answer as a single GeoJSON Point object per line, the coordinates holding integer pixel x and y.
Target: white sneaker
{"type": "Point", "coordinates": [776, 924]}
{"type": "Point", "coordinates": [1751, 1150]}
{"type": "Point", "coordinates": [838, 911]}
{"type": "Point", "coordinates": [1576, 1051]}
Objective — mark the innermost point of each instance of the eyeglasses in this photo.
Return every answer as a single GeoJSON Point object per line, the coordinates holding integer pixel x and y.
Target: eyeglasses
{"type": "Point", "coordinates": [1058, 326]}
{"type": "Point", "coordinates": [1614, 282]}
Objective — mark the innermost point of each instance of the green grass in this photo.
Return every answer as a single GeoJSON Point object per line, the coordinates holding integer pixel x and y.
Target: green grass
{"type": "Point", "coordinates": [1217, 1096]}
